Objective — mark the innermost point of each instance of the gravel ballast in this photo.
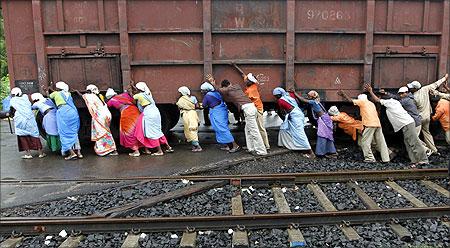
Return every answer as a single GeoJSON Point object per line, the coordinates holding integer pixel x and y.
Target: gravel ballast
{"type": "Point", "coordinates": [82, 205]}
{"type": "Point", "coordinates": [209, 239]}
{"type": "Point", "coordinates": [212, 202]}
{"type": "Point", "coordinates": [103, 240]}
{"type": "Point", "coordinates": [384, 195]}
{"type": "Point", "coordinates": [428, 196]}
{"type": "Point", "coordinates": [342, 197]}
{"type": "Point", "coordinates": [268, 238]}
{"type": "Point", "coordinates": [301, 199]}
{"type": "Point", "coordinates": [258, 201]}
{"type": "Point", "coordinates": [167, 239]}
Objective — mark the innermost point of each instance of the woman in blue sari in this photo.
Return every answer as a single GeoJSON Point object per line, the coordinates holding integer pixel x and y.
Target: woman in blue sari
{"type": "Point", "coordinates": [292, 132]}
{"type": "Point", "coordinates": [68, 121]}
{"type": "Point", "coordinates": [325, 141]}
{"type": "Point", "coordinates": [218, 114]}
{"type": "Point", "coordinates": [25, 125]}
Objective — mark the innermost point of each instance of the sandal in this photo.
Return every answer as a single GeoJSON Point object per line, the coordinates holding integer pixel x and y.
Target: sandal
{"type": "Point", "coordinates": [169, 150]}
{"type": "Point", "coordinates": [234, 149]}
{"type": "Point", "coordinates": [157, 154]}
{"type": "Point", "coordinates": [133, 154]}
{"type": "Point", "coordinates": [27, 157]}
{"type": "Point", "coordinates": [113, 153]}
{"type": "Point", "coordinates": [71, 157]}
{"type": "Point", "coordinates": [80, 156]}
{"type": "Point", "coordinates": [413, 166]}
{"type": "Point", "coordinates": [43, 155]}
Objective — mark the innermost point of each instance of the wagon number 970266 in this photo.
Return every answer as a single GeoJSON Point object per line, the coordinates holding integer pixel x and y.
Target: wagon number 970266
{"type": "Point", "coordinates": [328, 15]}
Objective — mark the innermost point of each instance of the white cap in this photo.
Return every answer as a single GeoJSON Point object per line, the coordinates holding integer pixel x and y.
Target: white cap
{"type": "Point", "coordinates": [142, 86]}
{"type": "Point", "coordinates": [414, 84]}
{"type": "Point", "coordinates": [16, 91]}
{"type": "Point", "coordinates": [251, 78]}
{"type": "Point", "coordinates": [37, 97]}
{"type": "Point", "coordinates": [92, 88]}
{"type": "Point", "coordinates": [184, 91]}
{"type": "Point", "coordinates": [62, 86]}
{"type": "Point", "coordinates": [333, 110]}
{"type": "Point", "coordinates": [362, 97]}
{"type": "Point", "coordinates": [403, 89]}
{"type": "Point", "coordinates": [110, 93]}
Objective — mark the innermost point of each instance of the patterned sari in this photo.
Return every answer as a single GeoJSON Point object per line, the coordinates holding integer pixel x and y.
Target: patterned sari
{"type": "Point", "coordinates": [129, 115]}
{"type": "Point", "coordinates": [101, 119]}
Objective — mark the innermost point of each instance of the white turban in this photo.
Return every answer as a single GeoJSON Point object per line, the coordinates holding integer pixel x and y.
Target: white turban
{"type": "Point", "coordinates": [62, 86]}
{"type": "Point", "coordinates": [414, 84]}
{"type": "Point", "coordinates": [184, 91]}
{"type": "Point", "coordinates": [142, 86]}
{"type": "Point", "coordinates": [206, 87]}
{"type": "Point", "coordinates": [403, 89]}
{"type": "Point", "coordinates": [37, 97]}
{"type": "Point", "coordinates": [16, 91]}
{"type": "Point", "coordinates": [333, 110]}
{"type": "Point", "coordinates": [110, 93]}
{"type": "Point", "coordinates": [251, 78]}
{"type": "Point", "coordinates": [362, 97]}
{"type": "Point", "coordinates": [92, 88]}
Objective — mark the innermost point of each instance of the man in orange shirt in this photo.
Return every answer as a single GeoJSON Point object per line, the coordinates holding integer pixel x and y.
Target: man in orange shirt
{"type": "Point", "coordinates": [372, 128]}
{"type": "Point", "coordinates": [251, 90]}
{"type": "Point", "coordinates": [442, 113]}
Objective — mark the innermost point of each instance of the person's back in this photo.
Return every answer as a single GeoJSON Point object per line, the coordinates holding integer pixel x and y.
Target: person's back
{"type": "Point", "coordinates": [348, 124]}
{"type": "Point", "coordinates": [368, 111]}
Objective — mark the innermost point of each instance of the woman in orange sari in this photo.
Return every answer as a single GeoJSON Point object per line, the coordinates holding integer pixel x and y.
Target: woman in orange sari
{"type": "Point", "coordinates": [129, 115]}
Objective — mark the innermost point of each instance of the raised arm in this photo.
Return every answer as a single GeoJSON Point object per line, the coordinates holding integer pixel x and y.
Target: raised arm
{"type": "Point", "coordinates": [238, 68]}
{"type": "Point", "coordinates": [211, 79]}
{"type": "Point", "coordinates": [436, 84]}
{"type": "Point", "coordinates": [389, 94]}
{"type": "Point", "coordinates": [299, 97]}
{"type": "Point", "coordinates": [368, 88]}
{"type": "Point", "coordinates": [345, 96]}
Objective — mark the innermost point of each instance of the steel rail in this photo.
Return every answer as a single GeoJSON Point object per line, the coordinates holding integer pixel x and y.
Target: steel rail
{"type": "Point", "coordinates": [29, 226]}
{"type": "Point", "coordinates": [251, 179]}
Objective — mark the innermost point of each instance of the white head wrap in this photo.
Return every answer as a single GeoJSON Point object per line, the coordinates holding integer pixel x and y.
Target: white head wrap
{"type": "Point", "coordinates": [206, 87]}
{"type": "Point", "coordinates": [414, 84]}
{"type": "Point", "coordinates": [92, 88]}
{"type": "Point", "coordinates": [184, 91]}
{"type": "Point", "coordinates": [62, 86]}
{"type": "Point", "coordinates": [333, 110]}
{"type": "Point", "coordinates": [110, 93]}
{"type": "Point", "coordinates": [251, 78]}
{"type": "Point", "coordinates": [362, 97]}
{"type": "Point", "coordinates": [403, 89]}
{"type": "Point", "coordinates": [37, 97]}
{"type": "Point", "coordinates": [16, 91]}
{"type": "Point", "coordinates": [142, 86]}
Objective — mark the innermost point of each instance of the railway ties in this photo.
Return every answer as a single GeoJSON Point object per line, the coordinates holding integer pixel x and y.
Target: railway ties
{"type": "Point", "coordinates": [243, 224]}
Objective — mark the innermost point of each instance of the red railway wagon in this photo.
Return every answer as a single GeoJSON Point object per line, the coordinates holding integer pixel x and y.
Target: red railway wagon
{"type": "Point", "coordinates": [310, 44]}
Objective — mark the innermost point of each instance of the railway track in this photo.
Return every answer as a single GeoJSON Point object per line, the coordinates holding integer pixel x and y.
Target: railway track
{"type": "Point", "coordinates": [239, 222]}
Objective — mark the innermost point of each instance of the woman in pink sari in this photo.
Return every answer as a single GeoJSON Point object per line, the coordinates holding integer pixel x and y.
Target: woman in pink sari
{"type": "Point", "coordinates": [129, 115]}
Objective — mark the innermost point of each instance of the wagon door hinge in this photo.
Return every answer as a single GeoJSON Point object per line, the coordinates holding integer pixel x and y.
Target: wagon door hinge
{"type": "Point", "coordinates": [388, 51]}
{"type": "Point", "coordinates": [63, 52]}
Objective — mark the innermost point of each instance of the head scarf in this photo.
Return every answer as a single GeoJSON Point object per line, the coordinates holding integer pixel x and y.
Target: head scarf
{"type": "Point", "coordinates": [403, 89]}
{"type": "Point", "coordinates": [207, 87]}
{"type": "Point", "coordinates": [37, 97]}
{"type": "Point", "coordinates": [184, 91]}
{"type": "Point", "coordinates": [92, 88]}
{"type": "Point", "coordinates": [333, 110]}
{"type": "Point", "coordinates": [142, 86]}
{"type": "Point", "coordinates": [414, 84]}
{"type": "Point", "coordinates": [362, 97]}
{"type": "Point", "coordinates": [313, 94]}
{"type": "Point", "coordinates": [279, 91]}
{"type": "Point", "coordinates": [110, 93]}
{"type": "Point", "coordinates": [16, 91]}
{"type": "Point", "coordinates": [62, 86]}
{"type": "Point", "coordinates": [251, 78]}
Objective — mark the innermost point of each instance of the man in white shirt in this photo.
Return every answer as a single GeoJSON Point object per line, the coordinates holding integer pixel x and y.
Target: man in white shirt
{"type": "Point", "coordinates": [401, 120]}
{"type": "Point", "coordinates": [422, 97]}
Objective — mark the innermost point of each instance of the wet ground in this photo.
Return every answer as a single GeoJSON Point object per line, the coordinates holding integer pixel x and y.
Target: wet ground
{"type": "Point", "coordinates": [92, 166]}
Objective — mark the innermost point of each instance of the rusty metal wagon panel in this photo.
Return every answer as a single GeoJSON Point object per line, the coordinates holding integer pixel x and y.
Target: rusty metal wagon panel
{"type": "Point", "coordinates": [307, 44]}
